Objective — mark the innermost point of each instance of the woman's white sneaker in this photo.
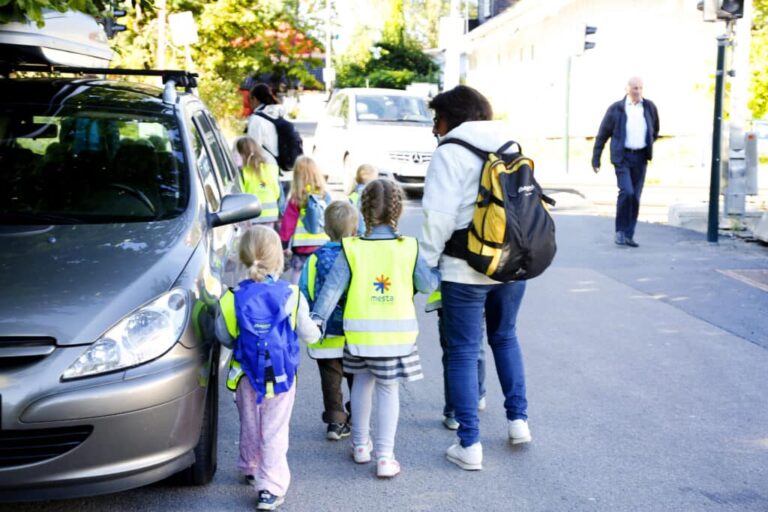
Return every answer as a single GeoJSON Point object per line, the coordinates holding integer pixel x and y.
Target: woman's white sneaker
{"type": "Point", "coordinates": [469, 458]}
{"type": "Point", "coordinates": [519, 432]}
{"type": "Point", "coordinates": [362, 452]}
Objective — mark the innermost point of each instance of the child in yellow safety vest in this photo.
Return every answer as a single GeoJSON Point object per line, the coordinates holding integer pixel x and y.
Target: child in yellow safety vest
{"type": "Point", "coordinates": [297, 240]}
{"type": "Point", "coordinates": [380, 272]}
{"type": "Point", "coordinates": [262, 321]}
{"type": "Point", "coordinates": [340, 222]}
{"type": "Point", "coordinates": [261, 179]}
{"type": "Point", "coordinates": [365, 174]}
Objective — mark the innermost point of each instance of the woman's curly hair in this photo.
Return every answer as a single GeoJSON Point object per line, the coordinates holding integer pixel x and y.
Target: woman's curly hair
{"type": "Point", "coordinates": [381, 203]}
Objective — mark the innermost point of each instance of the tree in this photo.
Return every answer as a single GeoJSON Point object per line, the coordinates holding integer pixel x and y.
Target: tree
{"type": "Point", "coordinates": [23, 10]}
{"type": "Point", "coordinates": [396, 62]}
{"type": "Point", "coordinates": [758, 103]}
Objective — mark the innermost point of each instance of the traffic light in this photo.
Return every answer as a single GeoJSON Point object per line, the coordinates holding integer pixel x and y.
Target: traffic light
{"type": "Point", "coordinates": [715, 10]}
{"type": "Point", "coordinates": [588, 31]}
{"type": "Point", "coordinates": [110, 26]}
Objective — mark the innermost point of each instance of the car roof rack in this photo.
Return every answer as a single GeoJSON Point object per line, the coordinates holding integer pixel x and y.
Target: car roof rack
{"type": "Point", "coordinates": [179, 78]}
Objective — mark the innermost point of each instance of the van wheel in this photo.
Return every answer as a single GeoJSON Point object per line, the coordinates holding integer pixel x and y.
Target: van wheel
{"type": "Point", "coordinates": [206, 451]}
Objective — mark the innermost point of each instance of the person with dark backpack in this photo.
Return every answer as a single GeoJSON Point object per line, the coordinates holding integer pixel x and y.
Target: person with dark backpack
{"type": "Point", "coordinates": [462, 189]}
{"type": "Point", "coordinates": [268, 126]}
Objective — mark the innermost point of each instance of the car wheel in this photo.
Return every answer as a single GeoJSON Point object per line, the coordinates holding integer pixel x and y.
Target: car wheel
{"type": "Point", "coordinates": [206, 451]}
{"type": "Point", "coordinates": [414, 193]}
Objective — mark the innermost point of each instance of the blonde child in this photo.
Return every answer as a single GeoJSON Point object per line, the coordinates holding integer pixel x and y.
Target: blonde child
{"type": "Point", "coordinates": [261, 179]}
{"type": "Point", "coordinates": [296, 238]}
{"type": "Point", "coordinates": [379, 272]}
{"type": "Point", "coordinates": [340, 222]}
{"type": "Point", "coordinates": [263, 320]}
{"type": "Point", "coordinates": [365, 174]}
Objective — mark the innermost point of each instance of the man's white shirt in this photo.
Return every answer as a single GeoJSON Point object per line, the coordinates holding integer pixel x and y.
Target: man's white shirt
{"type": "Point", "coordinates": [636, 125]}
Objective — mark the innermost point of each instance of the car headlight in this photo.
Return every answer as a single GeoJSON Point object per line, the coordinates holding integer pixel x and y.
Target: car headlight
{"type": "Point", "coordinates": [142, 336]}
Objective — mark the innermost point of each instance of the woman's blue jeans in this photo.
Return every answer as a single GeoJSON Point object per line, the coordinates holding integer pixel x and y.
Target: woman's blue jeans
{"type": "Point", "coordinates": [448, 410]}
{"type": "Point", "coordinates": [463, 308]}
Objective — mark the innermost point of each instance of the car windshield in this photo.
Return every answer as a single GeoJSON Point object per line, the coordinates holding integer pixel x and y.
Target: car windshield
{"type": "Point", "coordinates": [89, 167]}
{"type": "Point", "coordinates": [393, 109]}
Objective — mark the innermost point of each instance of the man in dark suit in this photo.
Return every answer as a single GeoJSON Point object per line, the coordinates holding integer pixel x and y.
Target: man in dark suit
{"type": "Point", "coordinates": [632, 124]}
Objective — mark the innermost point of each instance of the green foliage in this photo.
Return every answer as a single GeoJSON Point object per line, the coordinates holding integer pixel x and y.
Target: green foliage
{"type": "Point", "coordinates": [758, 103]}
{"type": "Point", "coordinates": [32, 10]}
{"type": "Point", "coordinates": [236, 38]}
{"type": "Point", "coordinates": [400, 60]}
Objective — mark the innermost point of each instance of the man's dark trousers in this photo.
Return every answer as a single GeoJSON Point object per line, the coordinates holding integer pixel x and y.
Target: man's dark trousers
{"type": "Point", "coordinates": [630, 177]}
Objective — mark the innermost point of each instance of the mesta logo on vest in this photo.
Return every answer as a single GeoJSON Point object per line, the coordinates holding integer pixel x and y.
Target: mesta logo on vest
{"type": "Point", "coordinates": [381, 285]}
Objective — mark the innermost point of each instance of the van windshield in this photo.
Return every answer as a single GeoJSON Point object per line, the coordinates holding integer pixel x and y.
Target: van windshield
{"type": "Point", "coordinates": [89, 167]}
{"type": "Point", "coordinates": [393, 108]}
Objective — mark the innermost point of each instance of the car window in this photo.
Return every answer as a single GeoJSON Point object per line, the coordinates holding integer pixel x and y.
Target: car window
{"type": "Point", "coordinates": [80, 166]}
{"type": "Point", "coordinates": [217, 150]}
{"type": "Point", "coordinates": [205, 168]}
{"type": "Point", "coordinates": [226, 156]}
{"type": "Point", "coordinates": [392, 108]}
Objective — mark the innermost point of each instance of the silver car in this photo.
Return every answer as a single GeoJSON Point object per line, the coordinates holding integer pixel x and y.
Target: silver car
{"type": "Point", "coordinates": [118, 224]}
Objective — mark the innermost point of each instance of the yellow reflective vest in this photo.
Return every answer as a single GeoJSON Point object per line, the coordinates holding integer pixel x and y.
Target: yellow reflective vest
{"type": "Point", "coordinates": [379, 315]}
{"type": "Point", "coordinates": [227, 305]}
{"type": "Point", "coordinates": [267, 189]}
{"type": "Point", "coordinates": [331, 347]}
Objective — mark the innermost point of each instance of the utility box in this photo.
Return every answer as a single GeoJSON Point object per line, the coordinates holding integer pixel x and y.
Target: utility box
{"type": "Point", "coordinates": [751, 160]}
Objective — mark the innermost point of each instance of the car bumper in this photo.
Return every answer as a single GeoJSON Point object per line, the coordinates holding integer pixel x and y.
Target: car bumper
{"type": "Point", "coordinates": [145, 423]}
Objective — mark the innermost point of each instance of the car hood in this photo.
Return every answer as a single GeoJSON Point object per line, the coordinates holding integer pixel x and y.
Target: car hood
{"type": "Point", "coordinates": [389, 137]}
{"type": "Point", "coordinates": [73, 282]}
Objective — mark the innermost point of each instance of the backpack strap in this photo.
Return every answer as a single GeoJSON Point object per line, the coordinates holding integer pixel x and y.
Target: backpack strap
{"type": "Point", "coordinates": [474, 149]}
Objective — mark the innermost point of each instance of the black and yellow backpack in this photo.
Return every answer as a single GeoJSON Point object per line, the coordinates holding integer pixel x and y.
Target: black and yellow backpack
{"type": "Point", "coordinates": [511, 236]}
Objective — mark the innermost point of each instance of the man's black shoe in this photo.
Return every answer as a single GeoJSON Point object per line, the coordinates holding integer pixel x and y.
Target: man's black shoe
{"type": "Point", "coordinates": [630, 243]}
{"type": "Point", "coordinates": [620, 240]}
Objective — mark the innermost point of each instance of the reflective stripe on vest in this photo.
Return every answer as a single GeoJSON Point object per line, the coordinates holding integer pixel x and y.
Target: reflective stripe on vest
{"type": "Point", "coordinates": [303, 238]}
{"type": "Point", "coordinates": [227, 304]}
{"type": "Point", "coordinates": [266, 190]}
{"type": "Point", "coordinates": [331, 347]}
{"type": "Point", "coordinates": [379, 316]}
{"type": "Point", "coordinates": [434, 301]}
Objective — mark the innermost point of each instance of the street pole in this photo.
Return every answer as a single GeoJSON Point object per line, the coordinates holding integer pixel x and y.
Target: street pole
{"type": "Point", "coordinates": [714, 179]}
{"type": "Point", "coordinates": [327, 78]}
{"type": "Point", "coordinates": [568, 114]}
{"type": "Point", "coordinates": [161, 39]}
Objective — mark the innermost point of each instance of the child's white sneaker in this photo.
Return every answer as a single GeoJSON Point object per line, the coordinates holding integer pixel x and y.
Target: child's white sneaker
{"type": "Point", "coordinates": [481, 404]}
{"type": "Point", "coordinates": [362, 452]}
{"type": "Point", "coordinates": [469, 458]}
{"type": "Point", "coordinates": [387, 467]}
{"type": "Point", "coordinates": [519, 432]}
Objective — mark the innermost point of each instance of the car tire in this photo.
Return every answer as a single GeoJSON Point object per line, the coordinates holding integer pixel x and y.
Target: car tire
{"type": "Point", "coordinates": [206, 451]}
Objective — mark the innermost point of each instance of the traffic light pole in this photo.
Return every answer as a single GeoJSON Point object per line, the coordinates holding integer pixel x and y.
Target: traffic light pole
{"type": "Point", "coordinates": [714, 180]}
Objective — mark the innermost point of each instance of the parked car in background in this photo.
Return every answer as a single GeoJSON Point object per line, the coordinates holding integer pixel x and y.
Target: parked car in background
{"type": "Point", "coordinates": [388, 128]}
{"type": "Point", "coordinates": [118, 229]}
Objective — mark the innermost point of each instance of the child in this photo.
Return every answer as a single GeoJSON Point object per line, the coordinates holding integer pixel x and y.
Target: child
{"type": "Point", "coordinates": [379, 271]}
{"type": "Point", "coordinates": [364, 175]}
{"type": "Point", "coordinates": [260, 179]}
{"type": "Point", "coordinates": [263, 320]}
{"type": "Point", "coordinates": [307, 180]}
{"type": "Point", "coordinates": [340, 222]}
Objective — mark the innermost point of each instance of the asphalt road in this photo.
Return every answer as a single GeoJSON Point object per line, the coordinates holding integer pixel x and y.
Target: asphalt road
{"type": "Point", "coordinates": [647, 378]}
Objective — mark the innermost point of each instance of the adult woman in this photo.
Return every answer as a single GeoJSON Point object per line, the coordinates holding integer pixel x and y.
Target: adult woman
{"type": "Point", "coordinates": [468, 297]}
{"type": "Point", "coordinates": [260, 129]}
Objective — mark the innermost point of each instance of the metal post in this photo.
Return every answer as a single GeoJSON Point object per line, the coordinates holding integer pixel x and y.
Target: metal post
{"type": "Point", "coordinates": [161, 40]}
{"type": "Point", "coordinates": [714, 180]}
{"type": "Point", "coordinates": [568, 114]}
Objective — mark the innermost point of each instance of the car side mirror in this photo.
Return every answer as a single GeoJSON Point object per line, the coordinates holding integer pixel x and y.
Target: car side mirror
{"type": "Point", "coordinates": [235, 208]}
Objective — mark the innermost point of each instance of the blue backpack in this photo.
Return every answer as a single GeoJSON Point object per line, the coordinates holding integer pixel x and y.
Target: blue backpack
{"type": "Point", "coordinates": [314, 215]}
{"type": "Point", "coordinates": [267, 347]}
